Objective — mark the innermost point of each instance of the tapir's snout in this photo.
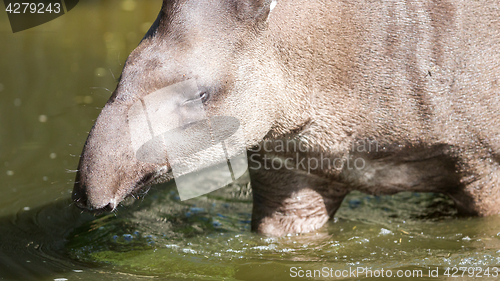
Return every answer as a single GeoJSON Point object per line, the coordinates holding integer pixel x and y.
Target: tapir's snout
{"type": "Point", "coordinates": [109, 170]}
{"type": "Point", "coordinates": [99, 200]}
{"type": "Point", "coordinates": [97, 196]}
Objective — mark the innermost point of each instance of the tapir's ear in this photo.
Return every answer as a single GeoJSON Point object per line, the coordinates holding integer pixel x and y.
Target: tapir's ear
{"type": "Point", "coordinates": [258, 10]}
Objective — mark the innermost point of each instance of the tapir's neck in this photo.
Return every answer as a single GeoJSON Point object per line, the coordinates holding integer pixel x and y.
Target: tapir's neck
{"type": "Point", "coordinates": [320, 57]}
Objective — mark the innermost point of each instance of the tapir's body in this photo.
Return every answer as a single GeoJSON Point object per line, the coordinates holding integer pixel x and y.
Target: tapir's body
{"type": "Point", "coordinates": [376, 96]}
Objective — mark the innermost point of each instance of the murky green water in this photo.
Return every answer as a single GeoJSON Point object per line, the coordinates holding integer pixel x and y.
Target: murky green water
{"type": "Point", "coordinates": [53, 80]}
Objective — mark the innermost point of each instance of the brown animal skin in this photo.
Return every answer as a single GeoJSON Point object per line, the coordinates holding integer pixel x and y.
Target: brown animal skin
{"type": "Point", "coordinates": [419, 80]}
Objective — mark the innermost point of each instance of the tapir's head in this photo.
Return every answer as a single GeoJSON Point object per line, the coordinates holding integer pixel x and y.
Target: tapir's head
{"type": "Point", "coordinates": [217, 50]}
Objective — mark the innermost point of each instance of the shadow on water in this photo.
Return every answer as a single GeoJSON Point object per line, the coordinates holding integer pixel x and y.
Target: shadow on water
{"type": "Point", "coordinates": [32, 242]}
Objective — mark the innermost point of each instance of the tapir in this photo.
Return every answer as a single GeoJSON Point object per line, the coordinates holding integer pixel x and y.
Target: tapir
{"type": "Point", "coordinates": [331, 96]}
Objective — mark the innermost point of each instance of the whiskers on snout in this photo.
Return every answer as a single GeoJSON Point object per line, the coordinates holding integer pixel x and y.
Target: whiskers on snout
{"type": "Point", "coordinates": [143, 186]}
{"type": "Point", "coordinates": [140, 193]}
{"type": "Point", "coordinates": [164, 174]}
{"type": "Point", "coordinates": [82, 204]}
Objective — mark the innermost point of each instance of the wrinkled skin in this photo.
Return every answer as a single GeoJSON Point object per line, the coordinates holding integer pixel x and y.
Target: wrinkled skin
{"type": "Point", "coordinates": [419, 80]}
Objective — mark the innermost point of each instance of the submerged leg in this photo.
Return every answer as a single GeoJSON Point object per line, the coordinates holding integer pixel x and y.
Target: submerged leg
{"type": "Point", "coordinates": [287, 201]}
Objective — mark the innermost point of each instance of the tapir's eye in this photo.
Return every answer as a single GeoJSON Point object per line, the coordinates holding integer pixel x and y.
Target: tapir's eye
{"type": "Point", "coordinates": [204, 96]}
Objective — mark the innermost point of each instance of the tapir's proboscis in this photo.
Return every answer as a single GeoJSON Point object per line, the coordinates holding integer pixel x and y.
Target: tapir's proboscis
{"type": "Point", "coordinates": [326, 97]}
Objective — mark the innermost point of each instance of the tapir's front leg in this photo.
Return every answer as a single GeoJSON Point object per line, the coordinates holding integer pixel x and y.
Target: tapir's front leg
{"type": "Point", "coordinates": [290, 201]}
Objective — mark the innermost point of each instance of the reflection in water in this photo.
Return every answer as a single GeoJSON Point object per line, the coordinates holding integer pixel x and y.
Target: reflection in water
{"type": "Point", "coordinates": [209, 236]}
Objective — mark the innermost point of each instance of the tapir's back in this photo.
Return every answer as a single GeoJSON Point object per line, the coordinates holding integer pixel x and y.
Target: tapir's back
{"type": "Point", "coordinates": [415, 70]}
{"type": "Point", "coordinates": [436, 66]}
